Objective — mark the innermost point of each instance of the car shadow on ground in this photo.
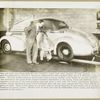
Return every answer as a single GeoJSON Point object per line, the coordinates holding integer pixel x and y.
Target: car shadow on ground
{"type": "Point", "coordinates": [16, 62]}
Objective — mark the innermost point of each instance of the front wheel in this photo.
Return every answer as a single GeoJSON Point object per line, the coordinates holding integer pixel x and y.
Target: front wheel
{"type": "Point", "coordinates": [64, 52]}
{"type": "Point", "coordinates": [6, 47]}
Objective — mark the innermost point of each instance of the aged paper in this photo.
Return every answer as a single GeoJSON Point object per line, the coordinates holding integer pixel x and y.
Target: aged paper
{"type": "Point", "coordinates": [71, 63]}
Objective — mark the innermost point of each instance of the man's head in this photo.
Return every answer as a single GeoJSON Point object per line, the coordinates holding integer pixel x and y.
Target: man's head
{"type": "Point", "coordinates": [41, 22]}
{"type": "Point", "coordinates": [32, 23]}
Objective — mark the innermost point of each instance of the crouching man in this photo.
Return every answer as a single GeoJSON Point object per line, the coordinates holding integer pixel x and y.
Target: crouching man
{"type": "Point", "coordinates": [43, 42]}
{"type": "Point", "coordinates": [45, 51]}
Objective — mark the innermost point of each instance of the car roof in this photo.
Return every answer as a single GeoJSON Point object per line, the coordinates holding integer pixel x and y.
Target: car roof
{"type": "Point", "coordinates": [52, 19]}
{"type": "Point", "coordinates": [22, 24]}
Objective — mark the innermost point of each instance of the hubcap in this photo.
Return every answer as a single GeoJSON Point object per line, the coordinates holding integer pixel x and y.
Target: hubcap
{"type": "Point", "coordinates": [65, 51]}
{"type": "Point", "coordinates": [7, 47]}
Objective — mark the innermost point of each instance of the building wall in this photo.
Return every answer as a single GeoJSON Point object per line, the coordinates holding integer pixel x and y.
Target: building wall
{"type": "Point", "coordinates": [2, 27]}
{"type": "Point", "coordinates": [83, 19]}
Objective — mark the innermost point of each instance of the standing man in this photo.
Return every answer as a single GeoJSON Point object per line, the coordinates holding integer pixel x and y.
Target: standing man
{"type": "Point", "coordinates": [31, 43]}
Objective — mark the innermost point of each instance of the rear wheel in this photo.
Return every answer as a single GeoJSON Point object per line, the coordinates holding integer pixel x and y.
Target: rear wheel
{"type": "Point", "coordinates": [64, 52]}
{"type": "Point", "coordinates": [6, 47]}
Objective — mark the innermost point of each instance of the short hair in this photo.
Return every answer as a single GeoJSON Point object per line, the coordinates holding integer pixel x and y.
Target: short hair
{"type": "Point", "coordinates": [31, 22]}
{"type": "Point", "coordinates": [41, 20]}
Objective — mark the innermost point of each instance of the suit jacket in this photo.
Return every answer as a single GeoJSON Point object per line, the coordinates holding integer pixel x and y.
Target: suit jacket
{"type": "Point", "coordinates": [30, 32]}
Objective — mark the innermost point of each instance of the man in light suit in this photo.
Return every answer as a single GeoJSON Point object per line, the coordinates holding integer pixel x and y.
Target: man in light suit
{"type": "Point", "coordinates": [31, 43]}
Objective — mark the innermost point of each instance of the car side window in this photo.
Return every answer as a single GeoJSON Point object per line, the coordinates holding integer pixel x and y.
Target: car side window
{"type": "Point", "coordinates": [60, 25]}
{"type": "Point", "coordinates": [49, 25]}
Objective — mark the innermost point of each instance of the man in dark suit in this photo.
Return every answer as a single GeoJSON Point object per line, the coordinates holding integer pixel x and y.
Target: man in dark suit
{"type": "Point", "coordinates": [31, 43]}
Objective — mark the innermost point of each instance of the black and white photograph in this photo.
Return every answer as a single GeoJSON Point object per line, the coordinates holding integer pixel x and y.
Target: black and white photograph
{"type": "Point", "coordinates": [49, 50]}
{"type": "Point", "coordinates": [49, 40]}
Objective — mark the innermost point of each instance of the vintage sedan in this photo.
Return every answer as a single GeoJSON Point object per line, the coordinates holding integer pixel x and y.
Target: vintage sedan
{"type": "Point", "coordinates": [67, 42]}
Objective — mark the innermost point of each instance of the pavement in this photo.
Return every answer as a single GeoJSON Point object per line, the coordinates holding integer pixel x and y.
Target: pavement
{"type": "Point", "coordinates": [16, 62]}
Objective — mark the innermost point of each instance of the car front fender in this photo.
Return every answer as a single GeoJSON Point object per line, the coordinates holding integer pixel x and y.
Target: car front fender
{"type": "Point", "coordinates": [17, 44]}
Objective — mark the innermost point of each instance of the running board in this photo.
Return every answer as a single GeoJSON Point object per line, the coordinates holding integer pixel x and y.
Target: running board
{"type": "Point", "coordinates": [86, 61]}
